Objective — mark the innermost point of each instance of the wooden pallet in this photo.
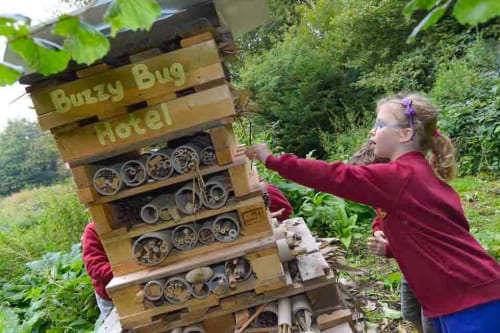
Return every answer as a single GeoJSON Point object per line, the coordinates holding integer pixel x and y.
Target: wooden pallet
{"type": "Point", "coordinates": [228, 305]}
{"type": "Point", "coordinates": [231, 157]}
{"type": "Point", "coordinates": [254, 223]}
{"type": "Point", "coordinates": [261, 254]}
{"type": "Point", "coordinates": [105, 91]}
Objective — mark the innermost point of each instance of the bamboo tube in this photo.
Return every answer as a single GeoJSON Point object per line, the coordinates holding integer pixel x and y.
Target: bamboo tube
{"type": "Point", "coordinates": [219, 283]}
{"type": "Point", "coordinates": [208, 156]}
{"type": "Point", "coordinates": [268, 317]}
{"type": "Point", "coordinates": [226, 227]}
{"type": "Point", "coordinates": [159, 208]}
{"type": "Point", "coordinates": [217, 190]}
{"type": "Point", "coordinates": [151, 249]}
{"type": "Point", "coordinates": [133, 173]}
{"type": "Point", "coordinates": [188, 198]}
{"type": "Point", "coordinates": [205, 234]}
{"type": "Point", "coordinates": [153, 290]}
{"type": "Point", "coordinates": [237, 270]}
{"type": "Point", "coordinates": [107, 180]}
{"type": "Point", "coordinates": [185, 237]}
{"type": "Point", "coordinates": [159, 164]}
{"type": "Point", "coordinates": [177, 290]}
{"type": "Point", "coordinates": [185, 158]}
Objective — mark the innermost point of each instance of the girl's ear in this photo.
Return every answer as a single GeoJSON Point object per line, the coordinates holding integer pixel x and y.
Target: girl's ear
{"type": "Point", "coordinates": [405, 135]}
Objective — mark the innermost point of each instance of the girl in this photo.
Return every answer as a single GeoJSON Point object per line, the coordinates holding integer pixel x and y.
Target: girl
{"type": "Point", "coordinates": [456, 281]}
{"type": "Point", "coordinates": [378, 245]}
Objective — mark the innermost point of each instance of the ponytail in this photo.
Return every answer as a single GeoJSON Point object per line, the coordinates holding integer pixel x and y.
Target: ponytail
{"type": "Point", "coordinates": [442, 157]}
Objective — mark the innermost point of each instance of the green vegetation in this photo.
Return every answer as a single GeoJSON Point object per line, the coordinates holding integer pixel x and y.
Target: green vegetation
{"type": "Point", "coordinates": [316, 70]}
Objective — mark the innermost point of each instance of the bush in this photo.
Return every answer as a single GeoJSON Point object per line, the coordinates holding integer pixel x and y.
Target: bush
{"type": "Point", "coordinates": [55, 295]}
{"type": "Point", "coordinates": [37, 221]}
{"type": "Point", "coordinates": [467, 91]}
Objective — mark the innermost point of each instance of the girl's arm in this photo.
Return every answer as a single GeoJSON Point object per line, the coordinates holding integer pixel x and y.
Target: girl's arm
{"type": "Point", "coordinates": [377, 185]}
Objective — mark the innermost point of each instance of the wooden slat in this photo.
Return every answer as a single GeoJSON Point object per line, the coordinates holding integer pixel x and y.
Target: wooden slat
{"type": "Point", "coordinates": [247, 204]}
{"type": "Point", "coordinates": [145, 127]}
{"type": "Point", "coordinates": [239, 302]}
{"type": "Point", "coordinates": [143, 276]}
{"type": "Point", "coordinates": [97, 199]}
{"type": "Point", "coordinates": [224, 142]}
{"type": "Point", "coordinates": [192, 59]}
{"type": "Point", "coordinates": [244, 178]}
{"type": "Point", "coordinates": [122, 262]}
{"type": "Point", "coordinates": [190, 41]}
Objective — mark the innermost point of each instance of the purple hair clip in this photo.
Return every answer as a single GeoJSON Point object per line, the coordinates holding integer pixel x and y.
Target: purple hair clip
{"type": "Point", "coordinates": [410, 112]}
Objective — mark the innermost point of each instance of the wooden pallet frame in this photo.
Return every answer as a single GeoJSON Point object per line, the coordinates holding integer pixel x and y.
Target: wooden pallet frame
{"type": "Point", "coordinates": [147, 126]}
{"type": "Point", "coordinates": [254, 222]}
{"type": "Point", "coordinates": [261, 253]}
{"type": "Point", "coordinates": [228, 305]}
{"type": "Point", "coordinates": [200, 63]}
{"type": "Point", "coordinates": [229, 156]}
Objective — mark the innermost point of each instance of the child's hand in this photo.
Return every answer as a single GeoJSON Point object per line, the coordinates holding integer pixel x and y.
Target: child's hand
{"type": "Point", "coordinates": [379, 234]}
{"type": "Point", "coordinates": [258, 151]}
{"type": "Point", "coordinates": [376, 245]}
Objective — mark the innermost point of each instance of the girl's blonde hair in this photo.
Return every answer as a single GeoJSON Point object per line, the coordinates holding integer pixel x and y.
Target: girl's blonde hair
{"type": "Point", "coordinates": [366, 155]}
{"type": "Point", "coordinates": [426, 137]}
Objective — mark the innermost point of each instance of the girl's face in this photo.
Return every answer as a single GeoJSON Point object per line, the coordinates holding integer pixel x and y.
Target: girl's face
{"type": "Point", "coordinates": [386, 132]}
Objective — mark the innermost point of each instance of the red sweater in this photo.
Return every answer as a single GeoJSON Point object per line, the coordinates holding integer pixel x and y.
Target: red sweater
{"type": "Point", "coordinates": [95, 260]}
{"type": "Point", "coordinates": [378, 225]}
{"type": "Point", "coordinates": [445, 266]}
{"type": "Point", "coordinates": [278, 202]}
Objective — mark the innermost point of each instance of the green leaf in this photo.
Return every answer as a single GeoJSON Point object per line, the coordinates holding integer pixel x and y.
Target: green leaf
{"type": "Point", "coordinates": [429, 20]}
{"type": "Point", "coordinates": [122, 14]}
{"type": "Point", "coordinates": [390, 313]}
{"type": "Point", "coordinates": [419, 4]}
{"type": "Point", "coordinates": [14, 26]}
{"type": "Point", "coordinates": [84, 43]}
{"type": "Point", "coordinates": [39, 57]}
{"type": "Point", "coordinates": [9, 73]}
{"type": "Point", "coordinates": [476, 11]}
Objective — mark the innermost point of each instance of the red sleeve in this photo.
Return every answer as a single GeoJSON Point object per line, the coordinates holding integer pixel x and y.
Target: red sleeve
{"type": "Point", "coordinates": [377, 185]}
{"type": "Point", "coordinates": [377, 224]}
{"type": "Point", "coordinates": [278, 202]}
{"type": "Point", "coordinates": [388, 251]}
{"type": "Point", "coordinates": [94, 257]}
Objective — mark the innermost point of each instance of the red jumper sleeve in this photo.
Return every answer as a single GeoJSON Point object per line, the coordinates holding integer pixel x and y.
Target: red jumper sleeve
{"type": "Point", "coordinates": [278, 201]}
{"type": "Point", "coordinates": [95, 260]}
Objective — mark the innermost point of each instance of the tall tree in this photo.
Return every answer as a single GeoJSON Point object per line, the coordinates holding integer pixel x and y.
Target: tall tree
{"type": "Point", "coordinates": [28, 157]}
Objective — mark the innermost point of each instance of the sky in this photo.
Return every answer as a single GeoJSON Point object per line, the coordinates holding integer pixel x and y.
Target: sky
{"type": "Point", "coordinates": [12, 105]}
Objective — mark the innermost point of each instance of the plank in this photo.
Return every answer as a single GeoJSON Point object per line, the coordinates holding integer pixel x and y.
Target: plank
{"type": "Point", "coordinates": [150, 274]}
{"type": "Point", "coordinates": [190, 41]}
{"type": "Point", "coordinates": [243, 205]}
{"type": "Point", "coordinates": [334, 318]}
{"type": "Point", "coordinates": [223, 140]}
{"type": "Point", "coordinates": [240, 302]}
{"type": "Point", "coordinates": [96, 198]}
{"type": "Point", "coordinates": [134, 87]}
{"type": "Point", "coordinates": [146, 126]}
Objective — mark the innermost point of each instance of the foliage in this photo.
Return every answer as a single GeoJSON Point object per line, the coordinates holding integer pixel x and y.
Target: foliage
{"type": "Point", "coordinates": [27, 233]}
{"type": "Point", "coordinates": [28, 157]}
{"type": "Point", "coordinates": [465, 11]}
{"type": "Point", "coordinates": [54, 295]}
{"type": "Point", "coordinates": [467, 91]}
{"type": "Point", "coordinates": [82, 42]}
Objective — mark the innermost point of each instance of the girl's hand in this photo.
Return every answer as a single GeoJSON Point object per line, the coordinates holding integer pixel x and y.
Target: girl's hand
{"type": "Point", "coordinates": [377, 246]}
{"type": "Point", "coordinates": [379, 234]}
{"type": "Point", "coordinates": [258, 151]}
